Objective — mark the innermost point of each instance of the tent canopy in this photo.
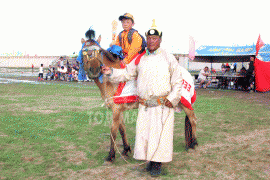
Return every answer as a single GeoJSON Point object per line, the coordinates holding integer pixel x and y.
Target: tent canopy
{"type": "Point", "coordinates": [222, 54]}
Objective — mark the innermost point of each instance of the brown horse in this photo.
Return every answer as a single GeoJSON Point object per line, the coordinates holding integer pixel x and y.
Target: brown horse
{"type": "Point", "coordinates": [94, 57]}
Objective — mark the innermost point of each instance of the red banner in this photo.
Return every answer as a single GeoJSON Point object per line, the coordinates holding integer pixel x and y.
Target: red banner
{"type": "Point", "coordinates": [262, 75]}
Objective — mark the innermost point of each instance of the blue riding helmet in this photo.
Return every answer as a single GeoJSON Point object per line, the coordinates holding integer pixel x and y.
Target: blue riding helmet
{"type": "Point", "coordinates": [117, 50]}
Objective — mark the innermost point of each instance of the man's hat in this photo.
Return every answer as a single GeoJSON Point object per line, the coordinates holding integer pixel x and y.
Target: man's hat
{"type": "Point", "coordinates": [126, 16]}
{"type": "Point", "coordinates": [153, 30]}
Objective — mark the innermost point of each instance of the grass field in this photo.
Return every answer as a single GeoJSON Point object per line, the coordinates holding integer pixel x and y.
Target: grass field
{"type": "Point", "coordinates": [60, 131]}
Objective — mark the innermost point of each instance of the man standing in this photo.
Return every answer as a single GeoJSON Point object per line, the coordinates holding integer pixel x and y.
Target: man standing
{"type": "Point", "coordinates": [61, 61]}
{"type": "Point", "coordinates": [40, 74]}
{"type": "Point", "coordinates": [203, 77]}
{"type": "Point", "coordinates": [159, 82]}
{"type": "Point", "coordinates": [249, 75]}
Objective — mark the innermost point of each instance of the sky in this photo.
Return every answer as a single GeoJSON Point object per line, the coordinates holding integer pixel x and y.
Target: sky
{"type": "Point", "coordinates": [55, 27]}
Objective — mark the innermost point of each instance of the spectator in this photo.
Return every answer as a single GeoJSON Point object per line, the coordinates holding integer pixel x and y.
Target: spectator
{"type": "Point", "coordinates": [249, 77]}
{"type": "Point", "coordinates": [240, 81]}
{"type": "Point", "coordinates": [57, 75]}
{"type": "Point", "coordinates": [32, 68]}
{"type": "Point", "coordinates": [69, 74]}
{"type": "Point", "coordinates": [74, 74]}
{"type": "Point", "coordinates": [228, 71]}
{"type": "Point", "coordinates": [49, 73]}
{"type": "Point", "coordinates": [53, 74]}
{"type": "Point", "coordinates": [223, 82]}
{"type": "Point", "coordinates": [61, 61]}
{"type": "Point", "coordinates": [62, 73]}
{"type": "Point", "coordinates": [223, 68]}
{"type": "Point", "coordinates": [214, 74]}
{"type": "Point", "coordinates": [76, 66]}
{"type": "Point", "coordinates": [203, 77]}
{"type": "Point", "coordinates": [40, 75]}
{"type": "Point", "coordinates": [234, 67]}
{"type": "Point", "coordinates": [243, 71]}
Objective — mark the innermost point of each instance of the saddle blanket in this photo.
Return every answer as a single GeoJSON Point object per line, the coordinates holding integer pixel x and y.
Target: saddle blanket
{"type": "Point", "coordinates": [127, 91]}
{"type": "Point", "coordinates": [188, 92]}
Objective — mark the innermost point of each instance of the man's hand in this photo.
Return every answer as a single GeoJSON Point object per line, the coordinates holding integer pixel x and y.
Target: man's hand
{"type": "Point", "coordinates": [106, 70]}
{"type": "Point", "coordinates": [168, 103]}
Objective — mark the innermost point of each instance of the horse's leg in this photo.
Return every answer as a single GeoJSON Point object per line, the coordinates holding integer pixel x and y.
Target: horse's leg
{"type": "Point", "coordinates": [190, 128]}
{"type": "Point", "coordinates": [122, 130]}
{"type": "Point", "coordinates": [114, 129]}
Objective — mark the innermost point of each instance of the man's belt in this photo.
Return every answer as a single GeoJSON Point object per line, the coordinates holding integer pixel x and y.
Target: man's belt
{"type": "Point", "coordinates": [153, 102]}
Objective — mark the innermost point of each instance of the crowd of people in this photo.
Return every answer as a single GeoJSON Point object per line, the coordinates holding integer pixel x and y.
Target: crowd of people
{"type": "Point", "coordinates": [244, 81]}
{"type": "Point", "coordinates": [60, 72]}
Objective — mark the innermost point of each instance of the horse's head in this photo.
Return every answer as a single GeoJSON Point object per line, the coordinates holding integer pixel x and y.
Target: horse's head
{"type": "Point", "coordinates": [92, 58]}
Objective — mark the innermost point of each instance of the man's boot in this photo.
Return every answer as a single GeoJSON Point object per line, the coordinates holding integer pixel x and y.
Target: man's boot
{"type": "Point", "coordinates": [156, 169]}
{"type": "Point", "coordinates": [149, 166]}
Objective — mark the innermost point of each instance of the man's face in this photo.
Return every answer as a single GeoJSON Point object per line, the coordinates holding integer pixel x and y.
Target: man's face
{"type": "Point", "coordinates": [251, 58]}
{"type": "Point", "coordinates": [153, 42]}
{"type": "Point", "coordinates": [205, 69]}
{"type": "Point", "coordinates": [127, 24]}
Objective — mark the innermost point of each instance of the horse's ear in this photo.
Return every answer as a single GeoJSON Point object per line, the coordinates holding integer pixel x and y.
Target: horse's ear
{"type": "Point", "coordinates": [99, 39]}
{"type": "Point", "coordinates": [82, 41]}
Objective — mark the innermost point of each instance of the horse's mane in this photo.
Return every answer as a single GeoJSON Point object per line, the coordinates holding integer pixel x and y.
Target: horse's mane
{"type": "Point", "coordinates": [90, 34]}
{"type": "Point", "coordinates": [109, 55]}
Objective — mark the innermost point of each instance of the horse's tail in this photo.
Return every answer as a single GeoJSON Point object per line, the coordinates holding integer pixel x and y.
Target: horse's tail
{"type": "Point", "coordinates": [191, 141]}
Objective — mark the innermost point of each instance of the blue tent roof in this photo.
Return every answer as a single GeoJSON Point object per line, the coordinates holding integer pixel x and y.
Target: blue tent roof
{"type": "Point", "coordinates": [231, 54]}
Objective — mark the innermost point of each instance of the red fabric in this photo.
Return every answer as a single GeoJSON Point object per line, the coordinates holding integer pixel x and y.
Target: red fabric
{"type": "Point", "coordinates": [122, 65]}
{"type": "Point", "coordinates": [186, 103]}
{"type": "Point", "coordinates": [139, 58]}
{"type": "Point", "coordinates": [121, 85]}
{"type": "Point", "coordinates": [259, 44]}
{"type": "Point", "coordinates": [193, 99]}
{"type": "Point", "coordinates": [125, 99]}
{"type": "Point", "coordinates": [120, 88]}
{"type": "Point", "coordinates": [262, 75]}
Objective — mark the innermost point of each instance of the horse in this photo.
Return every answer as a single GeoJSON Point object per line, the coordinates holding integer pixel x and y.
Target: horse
{"type": "Point", "coordinates": [94, 57]}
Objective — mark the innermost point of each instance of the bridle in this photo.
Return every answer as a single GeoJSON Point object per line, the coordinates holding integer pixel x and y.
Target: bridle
{"type": "Point", "coordinates": [92, 53]}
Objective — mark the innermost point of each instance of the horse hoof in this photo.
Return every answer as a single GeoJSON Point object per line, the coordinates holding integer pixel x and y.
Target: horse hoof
{"type": "Point", "coordinates": [107, 163]}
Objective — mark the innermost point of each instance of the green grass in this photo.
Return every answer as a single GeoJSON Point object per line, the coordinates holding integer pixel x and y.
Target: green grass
{"type": "Point", "coordinates": [35, 142]}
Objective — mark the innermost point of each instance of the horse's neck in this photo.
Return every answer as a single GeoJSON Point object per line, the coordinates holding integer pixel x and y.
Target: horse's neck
{"type": "Point", "coordinates": [106, 88]}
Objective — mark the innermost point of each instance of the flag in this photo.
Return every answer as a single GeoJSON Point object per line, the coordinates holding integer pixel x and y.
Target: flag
{"type": "Point", "coordinates": [262, 75]}
{"type": "Point", "coordinates": [191, 48]}
{"type": "Point", "coordinates": [259, 44]}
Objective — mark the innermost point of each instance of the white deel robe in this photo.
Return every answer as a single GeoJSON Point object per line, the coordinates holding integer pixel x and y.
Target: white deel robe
{"type": "Point", "coordinates": [158, 74]}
